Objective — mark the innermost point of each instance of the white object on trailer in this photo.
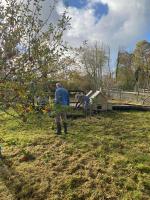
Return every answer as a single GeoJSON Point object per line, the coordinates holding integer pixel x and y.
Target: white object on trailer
{"type": "Point", "coordinates": [95, 94]}
{"type": "Point", "coordinates": [89, 93]}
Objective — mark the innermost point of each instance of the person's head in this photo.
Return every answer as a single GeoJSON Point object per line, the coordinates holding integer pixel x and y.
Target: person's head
{"type": "Point", "coordinates": [58, 85]}
{"type": "Point", "coordinates": [82, 93]}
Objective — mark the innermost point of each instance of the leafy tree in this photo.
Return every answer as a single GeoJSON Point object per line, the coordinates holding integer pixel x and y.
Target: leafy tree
{"type": "Point", "coordinates": [31, 52]}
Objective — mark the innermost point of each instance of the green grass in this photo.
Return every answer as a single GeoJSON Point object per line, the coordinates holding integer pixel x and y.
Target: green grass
{"type": "Point", "coordinates": [102, 157]}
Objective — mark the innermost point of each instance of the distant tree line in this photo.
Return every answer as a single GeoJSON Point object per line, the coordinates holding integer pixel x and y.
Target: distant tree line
{"type": "Point", "coordinates": [133, 69]}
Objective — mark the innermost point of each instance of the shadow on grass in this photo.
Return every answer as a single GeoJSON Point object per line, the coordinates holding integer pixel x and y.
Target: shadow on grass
{"type": "Point", "coordinates": [18, 186]}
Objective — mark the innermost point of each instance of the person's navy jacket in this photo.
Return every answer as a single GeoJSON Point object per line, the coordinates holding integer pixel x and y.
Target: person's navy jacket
{"type": "Point", "coordinates": [61, 96]}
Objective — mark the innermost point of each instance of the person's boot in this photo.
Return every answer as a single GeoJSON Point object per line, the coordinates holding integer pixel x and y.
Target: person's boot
{"type": "Point", "coordinates": [65, 127]}
{"type": "Point", "coordinates": [58, 130]}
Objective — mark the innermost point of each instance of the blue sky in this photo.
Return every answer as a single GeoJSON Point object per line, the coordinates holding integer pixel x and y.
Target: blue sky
{"type": "Point", "coordinates": [147, 37]}
{"type": "Point", "coordinates": [76, 3]}
{"type": "Point", "coordinates": [99, 8]}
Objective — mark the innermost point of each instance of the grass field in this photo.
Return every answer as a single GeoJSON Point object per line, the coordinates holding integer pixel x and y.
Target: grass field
{"type": "Point", "coordinates": [106, 157]}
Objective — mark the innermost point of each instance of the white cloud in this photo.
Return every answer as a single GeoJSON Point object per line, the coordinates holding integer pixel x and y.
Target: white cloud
{"type": "Point", "coordinates": [127, 22]}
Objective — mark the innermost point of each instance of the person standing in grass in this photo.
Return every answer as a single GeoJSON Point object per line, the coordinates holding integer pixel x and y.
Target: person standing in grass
{"type": "Point", "coordinates": [61, 102]}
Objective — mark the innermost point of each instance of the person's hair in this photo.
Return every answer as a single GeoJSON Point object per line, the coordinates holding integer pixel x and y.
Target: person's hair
{"type": "Point", "coordinates": [58, 85]}
{"type": "Point", "coordinates": [82, 93]}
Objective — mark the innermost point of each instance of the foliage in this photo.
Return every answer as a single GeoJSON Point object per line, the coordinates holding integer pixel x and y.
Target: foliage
{"type": "Point", "coordinates": [32, 50]}
{"type": "Point", "coordinates": [78, 81]}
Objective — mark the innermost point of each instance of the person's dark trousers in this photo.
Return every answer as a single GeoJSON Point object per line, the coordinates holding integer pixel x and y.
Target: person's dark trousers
{"type": "Point", "coordinates": [61, 118]}
{"type": "Point", "coordinates": [65, 127]}
{"type": "Point", "coordinates": [58, 128]}
{"type": "Point", "coordinates": [77, 105]}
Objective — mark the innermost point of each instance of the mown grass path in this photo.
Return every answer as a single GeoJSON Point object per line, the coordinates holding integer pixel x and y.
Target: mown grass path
{"type": "Point", "coordinates": [102, 157]}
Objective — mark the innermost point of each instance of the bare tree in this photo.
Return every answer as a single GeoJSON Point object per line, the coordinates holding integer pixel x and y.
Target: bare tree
{"type": "Point", "coordinates": [94, 59]}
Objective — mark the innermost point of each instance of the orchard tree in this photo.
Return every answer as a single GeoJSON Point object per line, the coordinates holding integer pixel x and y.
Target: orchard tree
{"type": "Point", "coordinates": [31, 50]}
